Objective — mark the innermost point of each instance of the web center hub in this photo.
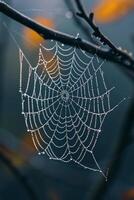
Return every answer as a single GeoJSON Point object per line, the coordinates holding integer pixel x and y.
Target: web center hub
{"type": "Point", "coordinates": [65, 95]}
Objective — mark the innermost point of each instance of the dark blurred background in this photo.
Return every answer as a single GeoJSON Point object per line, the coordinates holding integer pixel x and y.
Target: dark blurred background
{"type": "Point", "coordinates": [23, 174]}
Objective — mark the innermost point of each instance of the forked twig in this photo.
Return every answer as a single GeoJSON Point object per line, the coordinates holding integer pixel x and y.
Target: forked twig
{"type": "Point", "coordinates": [97, 33]}
{"type": "Point", "coordinates": [116, 55]}
{"type": "Point", "coordinates": [79, 23]}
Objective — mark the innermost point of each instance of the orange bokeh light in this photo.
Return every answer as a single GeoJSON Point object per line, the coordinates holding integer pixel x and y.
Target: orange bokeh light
{"type": "Point", "coordinates": [111, 10]}
{"type": "Point", "coordinates": [32, 39]}
{"type": "Point", "coordinates": [129, 195]}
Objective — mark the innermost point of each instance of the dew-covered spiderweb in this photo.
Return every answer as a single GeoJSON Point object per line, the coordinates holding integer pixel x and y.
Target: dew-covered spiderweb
{"type": "Point", "coordinates": [65, 101]}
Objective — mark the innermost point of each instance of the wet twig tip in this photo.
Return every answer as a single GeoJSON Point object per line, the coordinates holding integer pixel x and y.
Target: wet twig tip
{"type": "Point", "coordinates": [91, 16]}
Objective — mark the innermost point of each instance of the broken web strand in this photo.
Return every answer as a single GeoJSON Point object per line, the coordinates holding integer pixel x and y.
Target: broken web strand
{"type": "Point", "coordinates": [68, 89]}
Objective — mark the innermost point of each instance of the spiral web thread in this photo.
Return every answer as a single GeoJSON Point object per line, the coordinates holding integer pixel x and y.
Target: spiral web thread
{"type": "Point", "coordinates": [65, 101]}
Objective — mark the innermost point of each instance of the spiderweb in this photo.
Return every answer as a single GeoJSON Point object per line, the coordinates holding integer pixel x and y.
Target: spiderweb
{"type": "Point", "coordinates": [65, 101]}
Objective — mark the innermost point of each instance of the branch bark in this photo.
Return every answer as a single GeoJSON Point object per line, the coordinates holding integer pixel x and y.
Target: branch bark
{"type": "Point", "coordinates": [118, 56]}
{"type": "Point", "coordinates": [83, 27]}
{"type": "Point", "coordinates": [97, 33]}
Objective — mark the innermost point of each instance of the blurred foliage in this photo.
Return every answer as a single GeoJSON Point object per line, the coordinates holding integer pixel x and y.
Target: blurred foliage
{"type": "Point", "coordinates": [110, 10]}
{"type": "Point", "coordinates": [14, 156]}
{"type": "Point", "coordinates": [26, 147]}
{"type": "Point", "coordinates": [129, 195]}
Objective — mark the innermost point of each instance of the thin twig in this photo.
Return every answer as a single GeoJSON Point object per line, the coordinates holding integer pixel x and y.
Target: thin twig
{"type": "Point", "coordinates": [118, 52]}
{"type": "Point", "coordinates": [123, 142]}
{"type": "Point", "coordinates": [22, 179]}
{"type": "Point", "coordinates": [83, 27]}
{"type": "Point", "coordinates": [126, 137]}
{"type": "Point", "coordinates": [97, 33]}
{"type": "Point", "coordinates": [124, 59]}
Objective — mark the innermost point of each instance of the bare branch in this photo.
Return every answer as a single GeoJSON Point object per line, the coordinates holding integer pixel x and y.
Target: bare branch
{"type": "Point", "coordinates": [83, 27]}
{"type": "Point", "coordinates": [97, 33]}
{"type": "Point", "coordinates": [124, 59]}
